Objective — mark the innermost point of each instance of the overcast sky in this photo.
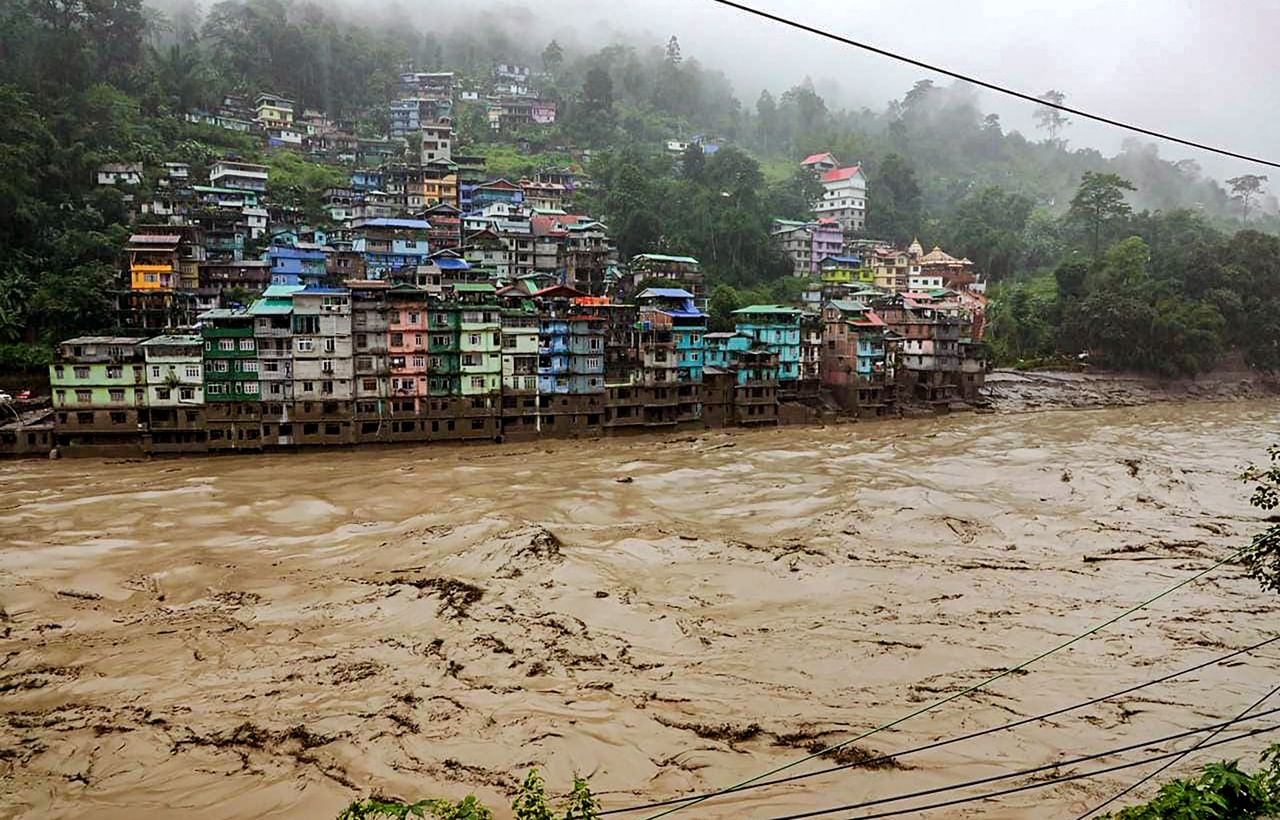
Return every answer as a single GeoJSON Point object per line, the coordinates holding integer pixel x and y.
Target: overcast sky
{"type": "Point", "coordinates": [1205, 70]}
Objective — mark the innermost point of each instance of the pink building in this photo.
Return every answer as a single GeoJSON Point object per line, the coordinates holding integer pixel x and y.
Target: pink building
{"type": "Point", "coordinates": [407, 347]}
{"type": "Point", "coordinates": [807, 243]}
{"type": "Point", "coordinates": [543, 112]}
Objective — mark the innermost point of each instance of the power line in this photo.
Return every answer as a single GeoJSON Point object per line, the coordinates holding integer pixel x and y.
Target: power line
{"type": "Point", "coordinates": [1113, 798]}
{"type": "Point", "coordinates": [984, 84]}
{"type": "Point", "coordinates": [1025, 787]}
{"type": "Point", "coordinates": [955, 695]}
{"type": "Point", "coordinates": [961, 738]}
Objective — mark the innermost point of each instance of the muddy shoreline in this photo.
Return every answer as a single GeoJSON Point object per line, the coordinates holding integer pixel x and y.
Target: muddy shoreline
{"type": "Point", "coordinates": [275, 635]}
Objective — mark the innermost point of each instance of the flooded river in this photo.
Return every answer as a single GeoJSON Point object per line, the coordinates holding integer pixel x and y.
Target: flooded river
{"type": "Point", "coordinates": [273, 636]}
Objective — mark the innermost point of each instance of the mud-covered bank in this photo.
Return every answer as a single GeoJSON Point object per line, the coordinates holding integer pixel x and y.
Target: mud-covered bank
{"type": "Point", "coordinates": [271, 636]}
{"type": "Point", "coordinates": [1017, 391]}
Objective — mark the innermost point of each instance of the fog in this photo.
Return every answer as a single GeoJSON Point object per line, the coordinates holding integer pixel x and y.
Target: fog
{"type": "Point", "coordinates": [1199, 70]}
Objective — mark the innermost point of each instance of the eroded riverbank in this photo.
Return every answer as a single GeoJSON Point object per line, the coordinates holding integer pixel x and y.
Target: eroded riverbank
{"type": "Point", "coordinates": [272, 636]}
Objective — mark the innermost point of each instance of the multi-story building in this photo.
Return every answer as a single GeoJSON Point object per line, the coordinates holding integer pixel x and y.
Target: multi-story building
{"type": "Point", "coordinates": [806, 244]}
{"type": "Point", "coordinates": [776, 328]}
{"type": "Point", "coordinates": [547, 196]}
{"type": "Point", "coordinates": [173, 420]}
{"type": "Point", "coordinates": [437, 142]}
{"type": "Point", "coordinates": [238, 176]}
{"type": "Point", "coordinates": [683, 272]}
{"type": "Point", "coordinates": [371, 365]}
{"type": "Point", "coordinates": [273, 334]}
{"type": "Point", "coordinates": [445, 220]}
{"type": "Point", "coordinates": [494, 191]}
{"type": "Point", "coordinates": [929, 350]}
{"type": "Point", "coordinates": [323, 369]}
{"type": "Point", "coordinates": [674, 311]}
{"type": "Point", "coordinates": [299, 263]}
{"type": "Point", "coordinates": [520, 325]}
{"type": "Point", "coordinates": [570, 363]}
{"type": "Point", "coordinates": [844, 198]}
{"type": "Point", "coordinates": [440, 187]}
{"type": "Point", "coordinates": [479, 339]}
{"type": "Point", "coordinates": [854, 365]}
{"type": "Point", "coordinates": [390, 245]}
{"type": "Point", "coordinates": [153, 261]}
{"type": "Point", "coordinates": [845, 272]}
{"type": "Point", "coordinates": [99, 388]}
{"type": "Point", "coordinates": [273, 111]}
{"type": "Point", "coordinates": [740, 385]}
{"type": "Point", "coordinates": [443, 350]}
{"type": "Point", "coordinates": [408, 349]}
{"type": "Point", "coordinates": [232, 390]}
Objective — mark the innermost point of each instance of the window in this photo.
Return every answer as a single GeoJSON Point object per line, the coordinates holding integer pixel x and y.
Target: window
{"type": "Point", "coordinates": [594, 343]}
{"type": "Point", "coordinates": [477, 382]}
{"type": "Point", "coordinates": [62, 395]}
{"type": "Point", "coordinates": [220, 365]}
{"type": "Point", "coordinates": [414, 318]}
{"type": "Point", "coordinates": [326, 388]}
{"type": "Point", "coordinates": [417, 340]}
{"type": "Point", "coordinates": [306, 345]}
{"type": "Point", "coordinates": [212, 390]}
{"type": "Point", "coordinates": [226, 344]}
{"type": "Point", "coordinates": [329, 345]}
{"type": "Point", "coordinates": [251, 388]}
{"type": "Point", "coordinates": [276, 388]}
{"type": "Point", "coordinates": [250, 366]}
{"type": "Point", "coordinates": [84, 418]}
{"type": "Point", "coordinates": [362, 340]}
{"type": "Point", "coordinates": [369, 384]}
{"type": "Point", "coordinates": [193, 371]}
{"type": "Point", "coordinates": [473, 338]}
{"type": "Point", "coordinates": [307, 387]}
{"type": "Point", "coordinates": [470, 360]}
{"type": "Point", "coordinates": [116, 395]}
{"type": "Point", "coordinates": [419, 361]}
{"type": "Point", "coordinates": [84, 396]}
{"type": "Point", "coordinates": [81, 372]}
{"type": "Point", "coordinates": [270, 367]}
{"type": "Point", "coordinates": [117, 418]}
{"type": "Point", "coordinates": [477, 424]}
{"type": "Point", "coordinates": [115, 372]}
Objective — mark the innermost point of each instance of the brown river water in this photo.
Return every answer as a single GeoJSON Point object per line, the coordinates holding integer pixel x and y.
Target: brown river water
{"type": "Point", "coordinates": [275, 635]}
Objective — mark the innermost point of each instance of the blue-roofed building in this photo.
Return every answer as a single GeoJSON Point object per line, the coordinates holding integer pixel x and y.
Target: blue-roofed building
{"type": "Point", "coordinates": [390, 245]}
{"type": "Point", "coordinates": [688, 326]}
{"type": "Point", "coordinates": [296, 264]}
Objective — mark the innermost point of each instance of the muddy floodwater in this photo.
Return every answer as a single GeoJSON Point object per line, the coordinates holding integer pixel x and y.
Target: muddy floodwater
{"type": "Point", "coordinates": [275, 635]}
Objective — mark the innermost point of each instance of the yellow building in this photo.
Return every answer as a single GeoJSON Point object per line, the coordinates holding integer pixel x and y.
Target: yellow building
{"type": "Point", "coordinates": [274, 110]}
{"type": "Point", "coordinates": [440, 183]}
{"type": "Point", "coordinates": [153, 262]}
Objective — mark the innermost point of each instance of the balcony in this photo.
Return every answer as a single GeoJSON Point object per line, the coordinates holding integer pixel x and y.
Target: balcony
{"type": "Point", "coordinates": [547, 347]}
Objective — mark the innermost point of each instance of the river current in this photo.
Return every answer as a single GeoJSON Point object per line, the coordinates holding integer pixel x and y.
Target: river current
{"type": "Point", "coordinates": [275, 635]}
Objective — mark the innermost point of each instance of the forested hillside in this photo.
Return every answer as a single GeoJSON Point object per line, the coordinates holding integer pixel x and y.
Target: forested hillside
{"type": "Point", "coordinates": [86, 82]}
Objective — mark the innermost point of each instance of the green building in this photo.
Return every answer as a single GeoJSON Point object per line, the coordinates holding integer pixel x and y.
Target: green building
{"type": "Point", "coordinates": [444, 374]}
{"type": "Point", "coordinates": [232, 390]}
{"type": "Point", "coordinates": [99, 390]}
{"type": "Point", "coordinates": [479, 339]}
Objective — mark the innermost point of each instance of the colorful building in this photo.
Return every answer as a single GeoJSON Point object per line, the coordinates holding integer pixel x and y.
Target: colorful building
{"type": "Point", "coordinates": [479, 339]}
{"type": "Point", "coordinates": [776, 328]}
{"type": "Point", "coordinates": [174, 418]}
{"type": "Point", "coordinates": [99, 389]}
{"type": "Point", "coordinates": [232, 389]}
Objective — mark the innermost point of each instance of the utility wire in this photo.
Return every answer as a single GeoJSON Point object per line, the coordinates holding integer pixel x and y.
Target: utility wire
{"type": "Point", "coordinates": [885, 758]}
{"type": "Point", "coordinates": [1113, 798]}
{"type": "Point", "coordinates": [1039, 784]}
{"type": "Point", "coordinates": [955, 695]}
{"type": "Point", "coordinates": [984, 84]}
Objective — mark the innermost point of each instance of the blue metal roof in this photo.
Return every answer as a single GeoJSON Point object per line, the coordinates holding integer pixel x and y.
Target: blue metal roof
{"type": "Point", "coordinates": [396, 223]}
{"type": "Point", "coordinates": [854, 260]}
{"type": "Point", "coordinates": [450, 263]}
{"type": "Point", "coordinates": [666, 293]}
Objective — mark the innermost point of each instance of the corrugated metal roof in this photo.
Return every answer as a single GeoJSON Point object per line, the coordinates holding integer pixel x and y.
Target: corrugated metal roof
{"type": "Point", "coordinates": [662, 257]}
{"type": "Point", "coordinates": [664, 293]}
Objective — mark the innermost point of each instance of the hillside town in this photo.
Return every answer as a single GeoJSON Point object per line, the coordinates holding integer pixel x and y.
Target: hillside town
{"type": "Point", "coordinates": [436, 302]}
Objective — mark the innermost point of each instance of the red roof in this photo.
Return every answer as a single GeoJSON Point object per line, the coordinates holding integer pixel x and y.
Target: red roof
{"type": "Point", "coordinates": [815, 158]}
{"type": "Point", "coordinates": [546, 225]}
{"type": "Point", "coordinates": [870, 318]}
{"type": "Point", "coordinates": [841, 173]}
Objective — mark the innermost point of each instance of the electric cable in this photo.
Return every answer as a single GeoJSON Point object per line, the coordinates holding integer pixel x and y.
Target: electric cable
{"type": "Point", "coordinates": [884, 758]}
{"type": "Point", "coordinates": [1113, 798]}
{"type": "Point", "coordinates": [785, 21]}
{"type": "Point", "coordinates": [1039, 784]}
{"type": "Point", "coordinates": [958, 694]}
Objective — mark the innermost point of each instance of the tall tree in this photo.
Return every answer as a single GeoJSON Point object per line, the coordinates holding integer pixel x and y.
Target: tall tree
{"type": "Point", "coordinates": [766, 119]}
{"type": "Point", "coordinates": [1244, 188]}
{"type": "Point", "coordinates": [893, 201]}
{"type": "Point", "coordinates": [1099, 206]}
{"type": "Point", "coordinates": [597, 90]}
{"type": "Point", "coordinates": [1052, 119]}
{"type": "Point", "coordinates": [552, 57]}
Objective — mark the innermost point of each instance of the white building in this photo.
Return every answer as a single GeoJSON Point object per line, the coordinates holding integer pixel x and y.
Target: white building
{"type": "Point", "coordinates": [437, 142]}
{"type": "Point", "coordinates": [243, 176]}
{"type": "Point", "coordinates": [117, 173]}
{"type": "Point", "coordinates": [174, 371]}
{"type": "Point", "coordinates": [844, 198]}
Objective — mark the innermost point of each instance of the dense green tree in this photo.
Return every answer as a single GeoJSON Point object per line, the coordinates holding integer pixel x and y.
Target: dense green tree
{"type": "Point", "coordinates": [895, 197]}
{"type": "Point", "coordinates": [1099, 210]}
{"type": "Point", "coordinates": [1244, 188]}
{"type": "Point", "coordinates": [988, 229]}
